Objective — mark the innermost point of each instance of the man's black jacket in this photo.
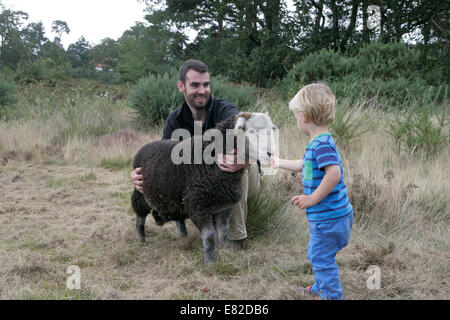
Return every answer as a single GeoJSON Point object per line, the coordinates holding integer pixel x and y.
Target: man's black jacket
{"type": "Point", "coordinates": [181, 118]}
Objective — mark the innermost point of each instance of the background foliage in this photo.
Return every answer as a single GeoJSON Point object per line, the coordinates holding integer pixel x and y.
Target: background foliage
{"type": "Point", "coordinates": [277, 45]}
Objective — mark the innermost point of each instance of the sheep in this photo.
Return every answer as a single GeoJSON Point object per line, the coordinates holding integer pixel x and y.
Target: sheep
{"type": "Point", "coordinates": [201, 192]}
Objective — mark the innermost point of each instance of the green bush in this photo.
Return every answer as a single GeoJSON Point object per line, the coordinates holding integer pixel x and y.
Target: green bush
{"type": "Point", "coordinates": [242, 96]}
{"type": "Point", "coordinates": [153, 98]}
{"type": "Point", "coordinates": [43, 69]}
{"type": "Point", "coordinates": [7, 97]}
{"type": "Point", "coordinates": [392, 72]}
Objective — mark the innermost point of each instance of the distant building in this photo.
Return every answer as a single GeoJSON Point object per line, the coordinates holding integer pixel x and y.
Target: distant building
{"type": "Point", "coordinates": [103, 65]}
{"type": "Point", "coordinates": [99, 67]}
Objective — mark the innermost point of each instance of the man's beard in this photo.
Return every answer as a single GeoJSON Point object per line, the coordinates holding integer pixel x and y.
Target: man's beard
{"type": "Point", "coordinates": [197, 106]}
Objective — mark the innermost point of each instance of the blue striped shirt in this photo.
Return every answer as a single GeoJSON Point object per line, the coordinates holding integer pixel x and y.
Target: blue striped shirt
{"type": "Point", "coordinates": [320, 153]}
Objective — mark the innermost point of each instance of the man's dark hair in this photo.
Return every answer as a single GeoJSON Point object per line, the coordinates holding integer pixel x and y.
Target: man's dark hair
{"type": "Point", "coordinates": [191, 64]}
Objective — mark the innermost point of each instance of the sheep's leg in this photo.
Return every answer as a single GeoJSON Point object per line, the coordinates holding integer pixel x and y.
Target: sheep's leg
{"type": "Point", "coordinates": [140, 228]}
{"type": "Point", "coordinates": [181, 228]}
{"type": "Point", "coordinates": [208, 232]}
{"type": "Point", "coordinates": [222, 225]}
{"type": "Point", "coordinates": [141, 209]}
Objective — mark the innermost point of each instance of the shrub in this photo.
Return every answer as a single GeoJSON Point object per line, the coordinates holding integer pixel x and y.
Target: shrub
{"type": "Point", "coordinates": [242, 96]}
{"type": "Point", "coordinates": [153, 98]}
{"type": "Point", "coordinates": [7, 97]}
{"type": "Point", "coordinates": [392, 72]}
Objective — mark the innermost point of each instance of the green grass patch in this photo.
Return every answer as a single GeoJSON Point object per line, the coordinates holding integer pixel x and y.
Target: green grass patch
{"type": "Point", "coordinates": [52, 182]}
{"type": "Point", "coordinates": [117, 163]}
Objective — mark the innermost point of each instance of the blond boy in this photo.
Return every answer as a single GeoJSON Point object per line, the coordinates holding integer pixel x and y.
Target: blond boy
{"type": "Point", "coordinates": [325, 198]}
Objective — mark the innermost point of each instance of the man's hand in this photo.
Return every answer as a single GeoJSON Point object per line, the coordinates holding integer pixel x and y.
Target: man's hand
{"type": "Point", "coordinates": [303, 201]}
{"type": "Point", "coordinates": [136, 179]}
{"type": "Point", "coordinates": [228, 163]}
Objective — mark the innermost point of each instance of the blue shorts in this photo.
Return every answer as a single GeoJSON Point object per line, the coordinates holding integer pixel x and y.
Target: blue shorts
{"type": "Point", "coordinates": [326, 239]}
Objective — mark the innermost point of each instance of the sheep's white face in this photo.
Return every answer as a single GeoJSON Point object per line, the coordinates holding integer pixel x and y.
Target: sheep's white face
{"type": "Point", "coordinates": [262, 135]}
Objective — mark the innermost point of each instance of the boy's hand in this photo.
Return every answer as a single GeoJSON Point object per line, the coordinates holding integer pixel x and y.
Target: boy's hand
{"type": "Point", "coordinates": [274, 162]}
{"type": "Point", "coordinates": [303, 201]}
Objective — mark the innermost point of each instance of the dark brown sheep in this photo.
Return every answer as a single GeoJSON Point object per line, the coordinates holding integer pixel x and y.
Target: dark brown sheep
{"type": "Point", "coordinates": [201, 192]}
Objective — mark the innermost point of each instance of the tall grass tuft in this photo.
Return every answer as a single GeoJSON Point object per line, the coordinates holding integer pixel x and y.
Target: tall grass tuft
{"type": "Point", "coordinates": [347, 124]}
{"type": "Point", "coordinates": [268, 215]}
{"type": "Point", "coordinates": [424, 129]}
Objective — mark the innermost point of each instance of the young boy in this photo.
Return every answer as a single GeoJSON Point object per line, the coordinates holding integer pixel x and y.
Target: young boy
{"type": "Point", "coordinates": [325, 198]}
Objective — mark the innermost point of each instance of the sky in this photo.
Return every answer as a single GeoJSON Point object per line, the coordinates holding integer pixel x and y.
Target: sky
{"type": "Point", "coordinates": [93, 19]}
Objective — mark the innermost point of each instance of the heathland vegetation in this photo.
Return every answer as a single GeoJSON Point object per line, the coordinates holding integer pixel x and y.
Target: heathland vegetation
{"type": "Point", "coordinates": [68, 134]}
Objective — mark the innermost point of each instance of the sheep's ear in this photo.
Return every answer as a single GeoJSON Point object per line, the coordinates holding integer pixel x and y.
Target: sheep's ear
{"type": "Point", "coordinates": [240, 124]}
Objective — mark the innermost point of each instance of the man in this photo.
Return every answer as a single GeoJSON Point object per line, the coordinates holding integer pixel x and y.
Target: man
{"type": "Point", "coordinates": [199, 105]}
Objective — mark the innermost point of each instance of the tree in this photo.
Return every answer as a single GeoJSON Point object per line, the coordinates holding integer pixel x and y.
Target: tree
{"type": "Point", "coordinates": [149, 49]}
{"type": "Point", "coordinates": [106, 52]}
{"type": "Point", "coordinates": [34, 37]}
{"type": "Point", "coordinates": [59, 27]}
{"type": "Point", "coordinates": [12, 49]}
{"type": "Point", "coordinates": [78, 53]}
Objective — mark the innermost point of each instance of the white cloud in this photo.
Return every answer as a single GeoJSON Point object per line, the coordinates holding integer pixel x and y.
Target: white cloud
{"type": "Point", "coordinates": [93, 19]}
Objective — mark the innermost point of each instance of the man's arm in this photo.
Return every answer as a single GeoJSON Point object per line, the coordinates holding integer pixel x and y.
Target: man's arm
{"type": "Point", "coordinates": [168, 130]}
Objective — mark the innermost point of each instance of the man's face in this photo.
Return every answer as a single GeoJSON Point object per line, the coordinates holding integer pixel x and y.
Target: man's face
{"type": "Point", "coordinates": [196, 90]}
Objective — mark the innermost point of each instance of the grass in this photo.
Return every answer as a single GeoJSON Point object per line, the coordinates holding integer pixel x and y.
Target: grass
{"type": "Point", "coordinates": [70, 206]}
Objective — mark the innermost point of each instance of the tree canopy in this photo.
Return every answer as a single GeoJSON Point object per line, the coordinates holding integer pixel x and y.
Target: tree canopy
{"type": "Point", "coordinates": [245, 40]}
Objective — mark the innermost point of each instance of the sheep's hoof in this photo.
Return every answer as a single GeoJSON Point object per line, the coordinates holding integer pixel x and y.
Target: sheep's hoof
{"type": "Point", "coordinates": [141, 238]}
{"type": "Point", "coordinates": [140, 233]}
{"type": "Point", "coordinates": [210, 259]}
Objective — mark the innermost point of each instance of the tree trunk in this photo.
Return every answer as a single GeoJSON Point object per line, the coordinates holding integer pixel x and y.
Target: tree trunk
{"type": "Point", "coordinates": [220, 28]}
{"type": "Point", "coordinates": [365, 17]}
{"type": "Point", "coordinates": [351, 26]}
{"type": "Point", "coordinates": [335, 17]}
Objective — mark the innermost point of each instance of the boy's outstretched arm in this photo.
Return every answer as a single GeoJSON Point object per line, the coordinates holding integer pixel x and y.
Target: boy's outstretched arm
{"type": "Point", "coordinates": [291, 165]}
{"type": "Point", "coordinates": [329, 182]}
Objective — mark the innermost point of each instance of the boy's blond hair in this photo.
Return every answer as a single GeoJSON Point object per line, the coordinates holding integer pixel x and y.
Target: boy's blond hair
{"type": "Point", "coordinates": [317, 101]}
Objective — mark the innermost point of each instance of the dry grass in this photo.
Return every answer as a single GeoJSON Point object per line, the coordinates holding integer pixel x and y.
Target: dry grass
{"type": "Point", "coordinates": [71, 207]}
